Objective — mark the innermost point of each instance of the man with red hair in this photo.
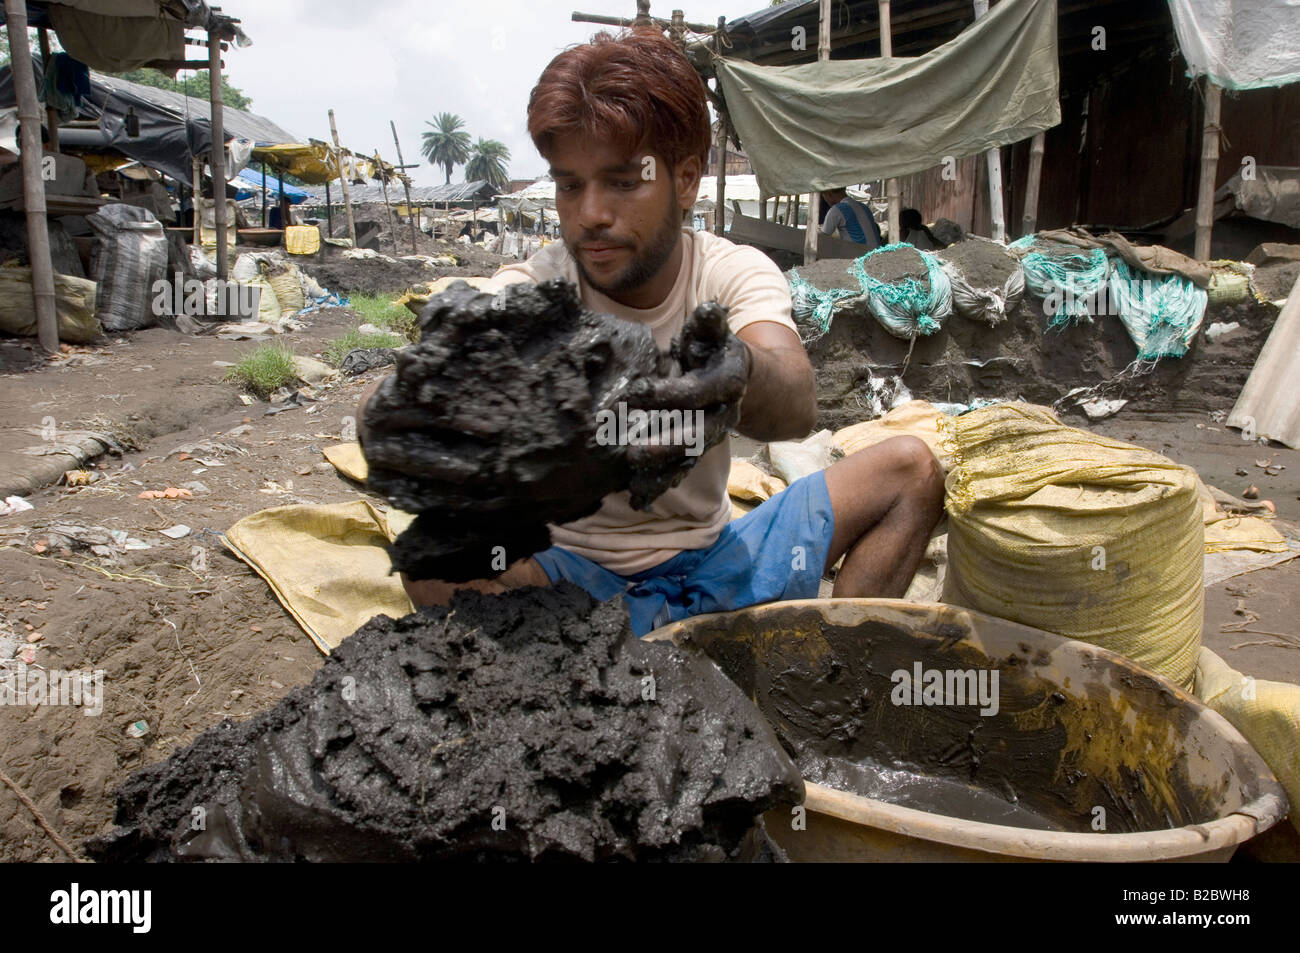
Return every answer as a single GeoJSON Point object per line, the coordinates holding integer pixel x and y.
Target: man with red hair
{"type": "Point", "coordinates": [624, 124]}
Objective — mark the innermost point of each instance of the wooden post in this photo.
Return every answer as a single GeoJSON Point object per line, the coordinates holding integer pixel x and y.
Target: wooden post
{"type": "Point", "coordinates": [891, 185]}
{"type": "Point", "coordinates": [1029, 222]}
{"type": "Point", "coordinates": [383, 185]}
{"type": "Point", "coordinates": [197, 179]}
{"type": "Point", "coordinates": [762, 210]}
{"type": "Point", "coordinates": [29, 120]}
{"type": "Point", "coordinates": [1209, 170]}
{"type": "Point", "coordinates": [993, 161]}
{"type": "Point", "coordinates": [343, 177]}
{"type": "Point", "coordinates": [813, 230]}
{"type": "Point", "coordinates": [720, 191]}
{"type": "Point", "coordinates": [264, 193]}
{"type": "Point", "coordinates": [51, 115]}
{"type": "Point", "coordinates": [218, 158]}
{"type": "Point", "coordinates": [406, 184]}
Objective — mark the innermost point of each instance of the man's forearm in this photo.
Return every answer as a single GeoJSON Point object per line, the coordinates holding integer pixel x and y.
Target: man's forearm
{"type": "Point", "coordinates": [781, 400]}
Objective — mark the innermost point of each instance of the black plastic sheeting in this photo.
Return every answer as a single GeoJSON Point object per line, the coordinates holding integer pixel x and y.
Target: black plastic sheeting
{"type": "Point", "coordinates": [173, 127]}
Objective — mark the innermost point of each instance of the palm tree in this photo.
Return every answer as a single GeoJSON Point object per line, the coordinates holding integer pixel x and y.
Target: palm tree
{"type": "Point", "coordinates": [488, 162]}
{"type": "Point", "coordinates": [446, 144]}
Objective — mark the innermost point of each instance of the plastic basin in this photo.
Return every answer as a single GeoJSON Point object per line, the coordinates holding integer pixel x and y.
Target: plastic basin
{"type": "Point", "coordinates": [1073, 754]}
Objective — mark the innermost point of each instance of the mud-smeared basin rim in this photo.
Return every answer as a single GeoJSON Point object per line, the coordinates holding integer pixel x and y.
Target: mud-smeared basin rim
{"type": "Point", "coordinates": [1258, 815]}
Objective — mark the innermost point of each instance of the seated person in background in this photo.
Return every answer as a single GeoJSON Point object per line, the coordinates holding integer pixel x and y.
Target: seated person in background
{"type": "Point", "coordinates": [853, 219]}
{"type": "Point", "coordinates": [914, 232]}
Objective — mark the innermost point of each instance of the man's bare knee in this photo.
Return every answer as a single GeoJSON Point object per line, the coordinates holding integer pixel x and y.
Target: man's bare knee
{"type": "Point", "coordinates": [435, 592]}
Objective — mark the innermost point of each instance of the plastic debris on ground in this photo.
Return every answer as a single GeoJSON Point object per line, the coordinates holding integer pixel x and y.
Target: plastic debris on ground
{"type": "Point", "coordinates": [14, 504]}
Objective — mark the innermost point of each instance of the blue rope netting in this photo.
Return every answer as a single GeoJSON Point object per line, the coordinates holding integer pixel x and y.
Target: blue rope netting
{"type": "Point", "coordinates": [1162, 313]}
{"type": "Point", "coordinates": [814, 306]}
{"type": "Point", "coordinates": [1067, 281]}
{"type": "Point", "coordinates": [907, 308]}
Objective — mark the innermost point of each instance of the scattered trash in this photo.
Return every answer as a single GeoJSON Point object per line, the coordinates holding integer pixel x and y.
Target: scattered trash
{"type": "Point", "coordinates": [14, 504]}
{"type": "Point", "coordinates": [137, 729]}
{"type": "Point", "coordinates": [361, 359]}
{"type": "Point", "coordinates": [271, 486]}
{"type": "Point", "coordinates": [1218, 329]}
{"type": "Point", "coordinates": [239, 431]}
{"type": "Point", "coordinates": [312, 371]}
{"type": "Point", "coordinates": [195, 486]}
{"type": "Point", "coordinates": [1099, 408]}
{"type": "Point", "coordinates": [294, 400]}
{"type": "Point", "coordinates": [176, 532]}
{"type": "Point", "coordinates": [81, 477]}
{"type": "Point", "coordinates": [368, 328]}
{"type": "Point", "coordinates": [246, 400]}
{"type": "Point", "coordinates": [1251, 493]}
{"type": "Point", "coordinates": [171, 493]}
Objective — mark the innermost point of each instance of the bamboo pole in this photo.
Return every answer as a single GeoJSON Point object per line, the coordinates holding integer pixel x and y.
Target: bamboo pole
{"type": "Point", "coordinates": [217, 160]}
{"type": "Point", "coordinates": [264, 193]}
{"type": "Point", "coordinates": [891, 185]}
{"type": "Point", "coordinates": [720, 192]}
{"type": "Point", "coordinates": [329, 212]}
{"type": "Point", "coordinates": [343, 177]}
{"type": "Point", "coordinates": [406, 184]}
{"type": "Point", "coordinates": [813, 230]}
{"type": "Point", "coordinates": [1029, 222]}
{"type": "Point", "coordinates": [196, 165]}
{"type": "Point", "coordinates": [29, 120]}
{"type": "Point", "coordinates": [1209, 170]}
{"type": "Point", "coordinates": [51, 114]}
{"type": "Point", "coordinates": [993, 161]}
{"type": "Point", "coordinates": [383, 185]}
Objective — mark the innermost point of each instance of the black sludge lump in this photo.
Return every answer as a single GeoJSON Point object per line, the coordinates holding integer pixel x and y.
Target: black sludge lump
{"type": "Point", "coordinates": [527, 726]}
{"type": "Point", "coordinates": [489, 429]}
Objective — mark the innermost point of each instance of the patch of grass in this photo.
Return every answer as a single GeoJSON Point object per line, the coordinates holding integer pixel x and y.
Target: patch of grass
{"type": "Point", "coordinates": [337, 349]}
{"type": "Point", "coordinates": [265, 370]}
{"type": "Point", "coordinates": [383, 312]}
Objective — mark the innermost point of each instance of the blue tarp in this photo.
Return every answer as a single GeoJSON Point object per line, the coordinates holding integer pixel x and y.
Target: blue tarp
{"type": "Point", "coordinates": [249, 183]}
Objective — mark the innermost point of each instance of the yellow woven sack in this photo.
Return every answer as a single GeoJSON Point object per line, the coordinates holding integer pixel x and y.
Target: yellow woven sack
{"type": "Point", "coordinates": [288, 289]}
{"type": "Point", "coordinates": [916, 418]}
{"type": "Point", "coordinates": [1075, 533]}
{"type": "Point", "coordinates": [1266, 713]}
{"type": "Point", "coordinates": [747, 482]}
{"type": "Point", "coordinates": [302, 239]}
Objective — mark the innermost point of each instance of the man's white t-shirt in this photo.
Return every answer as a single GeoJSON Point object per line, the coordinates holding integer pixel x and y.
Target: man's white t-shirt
{"type": "Point", "coordinates": [693, 513]}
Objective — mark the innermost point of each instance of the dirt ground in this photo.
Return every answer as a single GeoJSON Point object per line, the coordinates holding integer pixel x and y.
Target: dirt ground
{"type": "Point", "coordinates": [186, 634]}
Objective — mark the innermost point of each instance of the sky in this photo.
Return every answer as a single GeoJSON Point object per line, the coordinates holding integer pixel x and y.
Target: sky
{"type": "Point", "coordinates": [408, 60]}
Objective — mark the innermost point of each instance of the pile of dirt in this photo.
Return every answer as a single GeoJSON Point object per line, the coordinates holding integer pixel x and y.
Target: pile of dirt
{"type": "Point", "coordinates": [1022, 358]}
{"type": "Point", "coordinates": [1275, 279]}
{"type": "Point", "coordinates": [829, 273]}
{"type": "Point", "coordinates": [897, 264]}
{"type": "Point", "coordinates": [529, 726]}
{"type": "Point", "coordinates": [496, 423]}
{"type": "Point", "coordinates": [983, 264]}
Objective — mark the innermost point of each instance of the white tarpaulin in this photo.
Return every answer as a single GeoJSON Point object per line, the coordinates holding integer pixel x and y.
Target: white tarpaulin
{"type": "Point", "coordinates": [833, 123]}
{"type": "Point", "coordinates": [1240, 44]}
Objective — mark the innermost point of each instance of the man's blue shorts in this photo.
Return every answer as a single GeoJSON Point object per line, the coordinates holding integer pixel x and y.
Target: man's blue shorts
{"type": "Point", "coordinates": [775, 551]}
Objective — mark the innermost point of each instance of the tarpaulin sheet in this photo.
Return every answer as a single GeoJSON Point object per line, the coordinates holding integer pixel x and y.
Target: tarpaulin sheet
{"type": "Point", "coordinates": [1239, 44]}
{"type": "Point", "coordinates": [249, 185]}
{"type": "Point", "coordinates": [832, 123]}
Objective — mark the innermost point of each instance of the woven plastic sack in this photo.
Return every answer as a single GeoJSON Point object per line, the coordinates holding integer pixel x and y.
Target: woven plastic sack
{"type": "Point", "coordinates": [268, 306]}
{"type": "Point", "coordinates": [905, 308]}
{"type": "Point", "coordinates": [74, 305]}
{"type": "Point", "coordinates": [302, 239]}
{"type": "Point", "coordinates": [288, 288]}
{"type": "Point", "coordinates": [1074, 533]}
{"type": "Point", "coordinates": [1161, 313]}
{"type": "Point", "coordinates": [812, 308]}
{"type": "Point", "coordinates": [1066, 281]}
{"type": "Point", "coordinates": [1266, 713]}
{"type": "Point", "coordinates": [978, 303]}
{"type": "Point", "coordinates": [130, 256]}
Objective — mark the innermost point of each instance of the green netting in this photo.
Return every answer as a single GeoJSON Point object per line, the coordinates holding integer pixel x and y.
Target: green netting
{"type": "Point", "coordinates": [1162, 313]}
{"type": "Point", "coordinates": [907, 308]}
{"type": "Point", "coordinates": [813, 307]}
{"type": "Point", "coordinates": [1066, 281]}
